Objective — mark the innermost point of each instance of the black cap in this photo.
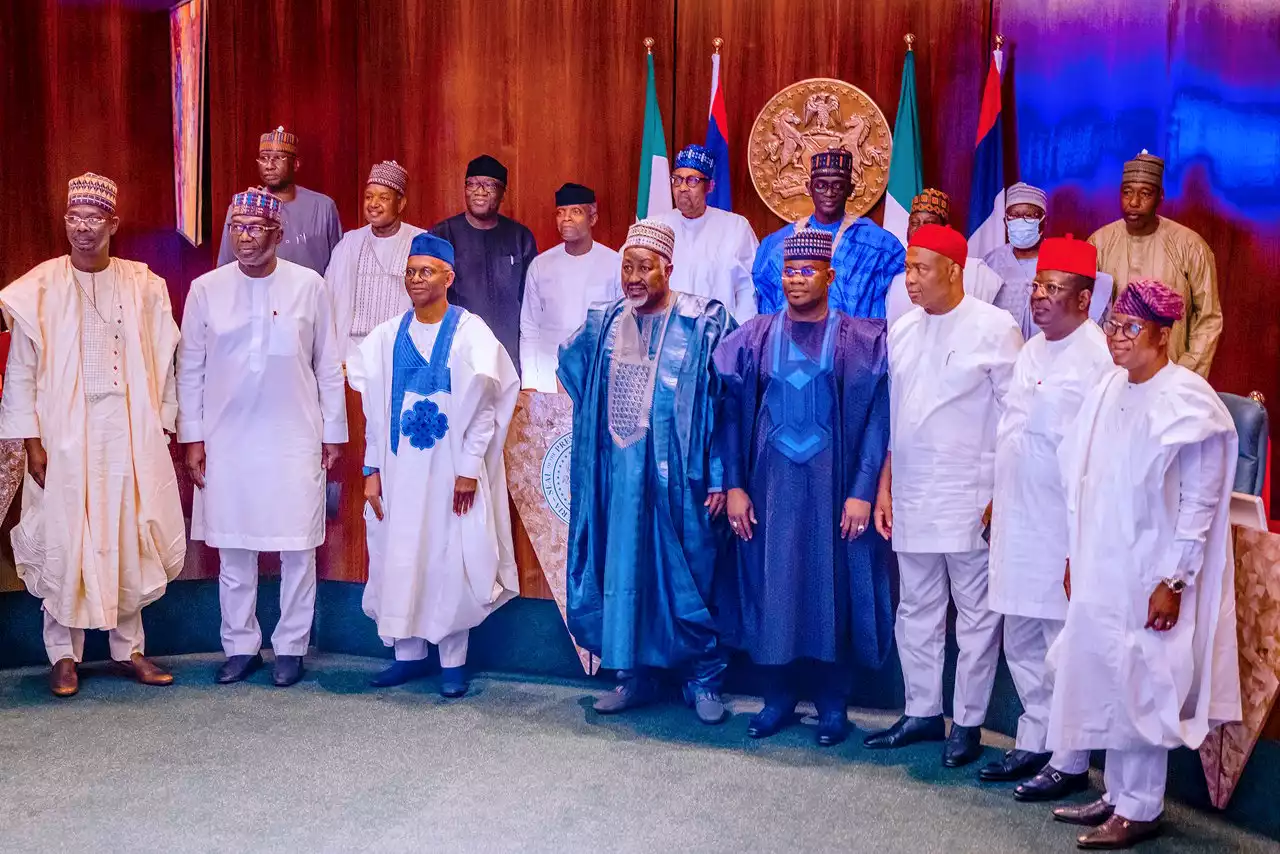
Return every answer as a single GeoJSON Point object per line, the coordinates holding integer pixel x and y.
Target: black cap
{"type": "Point", "coordinates": [575, 194]}
{"type": "Point", "coordinates": [485, 166]}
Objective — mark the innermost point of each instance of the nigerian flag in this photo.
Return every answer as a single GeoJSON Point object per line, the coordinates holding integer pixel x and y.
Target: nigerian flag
{"type": "Point", "coordinates": [905, 178]}
{"type": "Point", "coordinates": [653, 196]}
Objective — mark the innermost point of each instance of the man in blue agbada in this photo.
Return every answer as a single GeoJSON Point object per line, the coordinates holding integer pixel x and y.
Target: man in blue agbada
{"type": "Point", "coordinates": [865, 256]}
{"type": "Point", "coordinates": [642, 549]}
{"type": "Point", "coordinates": [802, 433]}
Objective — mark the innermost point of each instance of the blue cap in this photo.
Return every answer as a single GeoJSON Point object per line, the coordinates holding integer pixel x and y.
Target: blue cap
{"type": "Point", "coordinates": [696, 157]}
{"type": "Point", "coordinates": [433, 247]}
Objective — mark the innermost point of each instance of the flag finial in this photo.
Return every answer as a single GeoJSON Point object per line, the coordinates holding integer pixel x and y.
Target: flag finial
{"type": "Point", "coordinates": [648, 45]}
{"type": "Point", "coordinates": [717, 43]}
{"type": "Point", "coordinates": [999, 41]}
{"type": "Point", "coordinates": [910, 39]}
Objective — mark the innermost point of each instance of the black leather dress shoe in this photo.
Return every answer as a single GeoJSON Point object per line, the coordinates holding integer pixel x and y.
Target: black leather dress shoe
{"type": "Point", "coordinates": [833, 728]}
{"type": "Point", "coordinates": [237, 668]}
{"type": "Point", "coordinates": [907, 730]}
{"type": "Point", "coordinates": [288, 670]}
{"type": "Point", "coordinates": [1016, 765]}
{"type": "Point", "coordinates": [771, 720]}
{"type": "Point", "coordinates": [1051, 785]}
{"type": "Point", "coordinates": [964, 745]}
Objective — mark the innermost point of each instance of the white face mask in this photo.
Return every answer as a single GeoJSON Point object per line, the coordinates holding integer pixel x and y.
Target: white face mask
{"type": "Point", "coordinates": [1024, 232]}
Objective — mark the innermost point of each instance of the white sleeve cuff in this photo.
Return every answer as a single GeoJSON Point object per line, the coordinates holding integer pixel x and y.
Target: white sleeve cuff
{"type": "Point", "coordinates": [190, 431]}
{"type": "Point", "coordinates": [470, 465]}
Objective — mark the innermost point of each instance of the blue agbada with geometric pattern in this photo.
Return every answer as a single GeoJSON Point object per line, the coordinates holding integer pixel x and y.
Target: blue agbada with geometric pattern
{"type": "Point", "coordinates": [424, 424]}
{"type": "Point", "coordinates": [804, 425]}
{"type": "Point", "coordinates": [865, 258]}
{"type": "Point", "coordinates": [643, 552]}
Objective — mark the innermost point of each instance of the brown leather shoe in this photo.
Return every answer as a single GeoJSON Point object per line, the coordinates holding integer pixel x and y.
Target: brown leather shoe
{"type": "Point", "coordinates": [142, 669]}
{"type": "Point", "coordinates": [64, 681]}
{"type": "Point", "coordinates": [1119, 832]}
{"type": "Point", "coordinates": [1089, 815]}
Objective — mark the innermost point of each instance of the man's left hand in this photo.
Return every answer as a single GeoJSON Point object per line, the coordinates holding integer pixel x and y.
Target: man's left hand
{"type": "Point", "coordinates": [1163, 608]}
{"type": "Point", "coordinates": [854, 518]}
{"type": "Point", "coordinates": [464, 494]}
{"type": "Point", "coordinates": [715, 503]}
{"type": "Point", "coordinates": [329, 455]}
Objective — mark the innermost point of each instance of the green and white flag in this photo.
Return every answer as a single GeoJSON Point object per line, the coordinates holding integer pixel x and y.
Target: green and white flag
{"type": "Point", "coordinates": [653, 195]}
{"type": "Point", "coordinates": [905, 178]}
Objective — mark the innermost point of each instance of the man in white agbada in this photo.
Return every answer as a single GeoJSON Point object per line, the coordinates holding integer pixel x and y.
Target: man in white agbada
{"type": "Point", "coordinates": [933, 207]}
{"type": "Point", "coordinates": [1015, 262]}
{"type": "Point", "coordinates": [89, 387]}
{"type": "Point", "coordinates": [1055, 370]}
{"type": "Point", "coordinates": [365, 277]}
{"type": "Point", "coordinates": [1147, 661]}
{"type": "Point", "coordinates": [715, 249]}
{"type": "Point", "coordinates": [950, 364]}
{"type": "Point", "coordinates": [438, 392]}
{"type": "Point", "coordinates": [562, 283]}
{"type": "Point", "coordinates": [261, 409]}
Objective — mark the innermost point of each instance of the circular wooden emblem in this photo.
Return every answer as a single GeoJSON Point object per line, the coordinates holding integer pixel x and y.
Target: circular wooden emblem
{"type": "Point", "coordinates": [808, 117]}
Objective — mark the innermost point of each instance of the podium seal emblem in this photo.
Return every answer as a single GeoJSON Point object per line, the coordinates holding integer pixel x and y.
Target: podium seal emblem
{"type": "Point", "coordinates": [555, 475]}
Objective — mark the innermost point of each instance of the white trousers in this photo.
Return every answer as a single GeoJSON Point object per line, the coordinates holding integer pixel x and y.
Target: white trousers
{"type": "Point", "coordinates": [453, 649]}
{"type": "Point", "coordinates": [1135, 782]}
{"type": "Point", "coordinates": [238, 598]}
{"type": "Point", "coordinates": [1026, 642]}
{"type": "Point", "coordinates": [64, 642]}
{"type": "Point", "coordinates": [921, 632]}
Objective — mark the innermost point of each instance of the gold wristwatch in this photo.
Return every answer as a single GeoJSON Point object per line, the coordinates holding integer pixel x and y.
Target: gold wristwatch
{"type": "Point", "coordinates": [1174, 584]}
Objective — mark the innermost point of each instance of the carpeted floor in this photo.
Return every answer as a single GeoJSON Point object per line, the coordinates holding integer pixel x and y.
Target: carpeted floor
{"type": "Point", "coordinates": [333, 766]}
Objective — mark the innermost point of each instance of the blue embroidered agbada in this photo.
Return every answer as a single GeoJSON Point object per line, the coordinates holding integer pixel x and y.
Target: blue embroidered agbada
{"type": "Point", "coordinates": [642, 549]}
{"type": "Point", "coordinates": [866, 258]}
{"type": "Point", "coordinates": [804, 425]}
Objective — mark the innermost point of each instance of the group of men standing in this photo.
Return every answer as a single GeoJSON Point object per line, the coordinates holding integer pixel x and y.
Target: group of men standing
{"type": "Point", "coordinates": [744, 416]}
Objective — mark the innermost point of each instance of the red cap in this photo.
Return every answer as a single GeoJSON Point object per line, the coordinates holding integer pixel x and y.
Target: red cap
{"type": "Point", "coordinates": [944, 240]}
{"type": "Point", "coordinates": [1068, 255]}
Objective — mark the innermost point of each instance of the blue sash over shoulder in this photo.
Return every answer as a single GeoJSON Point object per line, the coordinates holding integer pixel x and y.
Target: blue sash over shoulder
{"type": "Point", "coordinates": [410, 372]}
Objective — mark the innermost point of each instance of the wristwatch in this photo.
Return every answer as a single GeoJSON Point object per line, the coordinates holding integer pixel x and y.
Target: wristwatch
{"type": "Point", "coordinates": [368, 470]}
{"type": "Point", "coordinates": [1175, 584]}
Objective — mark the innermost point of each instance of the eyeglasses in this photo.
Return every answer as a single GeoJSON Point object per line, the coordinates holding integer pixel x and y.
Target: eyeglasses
{"type": "Point", "coordinates": [1128, 331]}
{"type": "Point", "coordinates": [92, 221]}
{"type": "Point", "coordinates": [1050, 288]}
{"type": "Point", "coordinates": [269, 159]}
{"type": "Point", "coordinates": [688, 180]}
{"type": "Point", "coordinates": [832, 188]}
{"type": "Point", "coordinates": [255, 231]}
{"type": "Point", "coordinates": [421, 274]}
{"type": "Point", "coordinates": [475, 185]}
{"type": "Point", "coordinates": [807, 272]}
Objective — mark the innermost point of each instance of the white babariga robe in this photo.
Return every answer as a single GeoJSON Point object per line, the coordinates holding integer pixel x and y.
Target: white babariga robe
{"type": "Point", "coordinates": [713, 258]}
{"type": "Point", "coordinates": [980, 281]}
{"type": "Point", "coordinates": [106, 535]}
{"type": "Point", "coordinates": [260, 383]}
{"type": "Point", "coordinates": [1029, 512]}
{"type": "Point", "coordinates": [358, 309]}
{"type": "Point", "coordinates": [1148, 469]}
{"type": "Point", "coordinates": [949, 375]}
{"type": "Point", "coordinates": [558, 290]}
{"type": "Point", "coordinates": [434, 575]}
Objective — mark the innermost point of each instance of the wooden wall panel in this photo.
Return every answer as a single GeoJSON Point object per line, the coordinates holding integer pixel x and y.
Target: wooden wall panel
{"type": "Point", "coordinates": [552, 88]}
{"type": "Point", "coordinates": [769, 45]}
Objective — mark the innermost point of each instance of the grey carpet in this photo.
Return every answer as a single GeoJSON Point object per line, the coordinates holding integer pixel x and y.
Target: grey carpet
{"type": "Point", "coordinates": [333, 766]}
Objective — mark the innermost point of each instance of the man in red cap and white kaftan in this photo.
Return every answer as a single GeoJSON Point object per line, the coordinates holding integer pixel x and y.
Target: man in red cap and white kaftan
{"type": "Point", "coordinates": [951, 362]}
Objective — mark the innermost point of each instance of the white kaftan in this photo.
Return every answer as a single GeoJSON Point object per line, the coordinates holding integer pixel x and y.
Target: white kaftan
{"type": "Point", "coordinates": [260, 383]}
{"type": "Point", "coordinates": [713, 258]}
{"type": "Point", "coordinates": [558, 290]}
{"type": "Point", "coordinates": [106, 534]}
{"type": "Point", "coordinates": [1148, 469]}
{"type": "Point", "coordinates": [1029, 510]}
{"type": "Point", "coordinates": [365, 282]}
{"type": "Point", "coordinates": [434, 574]}
{"type": "Point", "coordinates": [949, 377]}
